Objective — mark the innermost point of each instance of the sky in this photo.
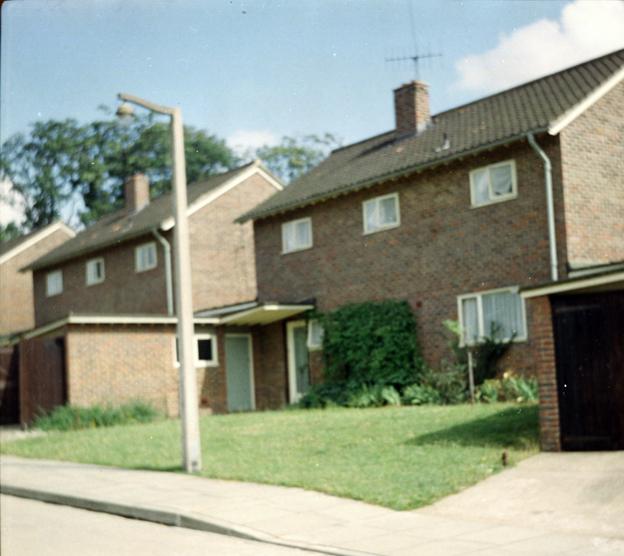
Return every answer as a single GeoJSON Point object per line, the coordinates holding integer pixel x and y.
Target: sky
{"type": "Point", "coordinates": [254, 71]}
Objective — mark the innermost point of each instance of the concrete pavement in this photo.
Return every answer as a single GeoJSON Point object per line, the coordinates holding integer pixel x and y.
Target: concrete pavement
{"type": "Point", "coordinates": [29, 527]}
{"type": "Point", "coordinates": [550, 504]}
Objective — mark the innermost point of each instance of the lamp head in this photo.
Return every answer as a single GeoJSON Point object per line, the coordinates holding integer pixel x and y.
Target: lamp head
{"type": "Point", "coordinates": [125, 113]}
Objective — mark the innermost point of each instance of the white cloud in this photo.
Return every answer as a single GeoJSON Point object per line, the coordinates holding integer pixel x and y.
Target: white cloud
{"type": "Point", "coordinates": [11, 204]}
{"type": "Point", "coordinates": [245, 141]}
{"type": "Point", "coordinates": [585, 29]}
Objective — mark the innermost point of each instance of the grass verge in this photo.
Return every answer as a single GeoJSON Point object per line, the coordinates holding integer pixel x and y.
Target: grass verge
{"type": "Point", "coordinates": [399, 457]}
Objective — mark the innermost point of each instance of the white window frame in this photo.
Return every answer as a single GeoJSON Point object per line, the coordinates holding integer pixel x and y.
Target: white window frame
{"type": "Point", "coordinates": [294, 223]}
{"type": "Point", "coordinates": [478, 296]}
{"type": "Point", "coordinates": [311, 345]}
{"type": "Point", "coordinates": [137, 258]}
{"type": "Point", "coordinates": [199, 363]}
{"type": "Point", "coordinates": [491, 198]}
{"type": "Point", "coordinates": [89, 279]}
{"type": "Point", "coordinates": [377, 201]}
{"type": "Point", "coordinates": [49, 275]}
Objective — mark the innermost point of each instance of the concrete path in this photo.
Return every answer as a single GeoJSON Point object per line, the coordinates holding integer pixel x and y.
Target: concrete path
{"type": "Point", "coordinates": [550, 504]}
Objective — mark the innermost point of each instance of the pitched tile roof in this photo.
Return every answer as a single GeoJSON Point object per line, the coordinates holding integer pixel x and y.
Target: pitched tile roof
{"type": "Point", "coordinates": [12, 244]}
{"type": "Point", "coordinates": [496, 119]}
{"type": "Point", "coordinates": [123, 225]}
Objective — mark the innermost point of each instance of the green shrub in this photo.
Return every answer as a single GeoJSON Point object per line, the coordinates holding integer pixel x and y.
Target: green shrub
{"type": "Point", "coordinates": [451, 382]}
{"type": "Point", "coordinates": [371, 344]}
{"type": "Point", "coordinates": [67, 417]}
{"type": "Point", "coordinates": [421, 394]}
{"type": "Point", "coordinates": [508, 388]}
{"type": "Point", "coordinates": [485, 355]}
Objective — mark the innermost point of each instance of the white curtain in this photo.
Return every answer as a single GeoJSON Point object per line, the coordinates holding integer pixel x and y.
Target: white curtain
{"type": "Point", "coordinates": [501, 180]}
{"type": "Point", "coordinates": [470, 320]}
{"type": "Point", "coordinates": [502, 315]}
{"type": "Point", "coordinates": [388, 211]}
{"type": "Point", "coordinates": [480, 187]}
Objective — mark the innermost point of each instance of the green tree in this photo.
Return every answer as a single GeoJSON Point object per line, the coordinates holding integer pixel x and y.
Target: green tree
{"type": "Point", "coordinates": [62, 162]}
{"type": "Point", "coordinates": [9, 231]}
{"type": "Point", "coordinates": [295, 156]}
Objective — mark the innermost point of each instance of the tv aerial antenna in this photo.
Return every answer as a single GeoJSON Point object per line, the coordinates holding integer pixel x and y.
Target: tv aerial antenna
{"type": "Point", "coordinates": [417, 57]}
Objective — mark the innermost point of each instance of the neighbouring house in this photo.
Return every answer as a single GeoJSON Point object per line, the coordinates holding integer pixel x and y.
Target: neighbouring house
{"type": "Point", "coordinates": [16, 303]}
{"type": "Point", "coordinates": [456, 213]}
{"type": "Point", "coordinates": [104, 308]}
{"type": "Point", "coordinates": [16, 288]}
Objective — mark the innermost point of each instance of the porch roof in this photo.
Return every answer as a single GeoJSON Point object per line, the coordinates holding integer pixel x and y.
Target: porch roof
{"type": "Point", "coordinates": [606, 281]}
{"type": "Point", "coordinates": [265, 314]}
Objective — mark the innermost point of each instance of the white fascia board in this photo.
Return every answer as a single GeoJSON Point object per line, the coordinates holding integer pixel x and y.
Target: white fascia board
{"type": "Point", "coordinates": [112, 319]}
{"type": "Point", "coordinates": [42, 234]}
{"type": "Point", "coordinates": [211, 196]}
{"type": "Point", "coordinates": [572, 285]}
{"type": "Point", "coordinates": [565, 119]}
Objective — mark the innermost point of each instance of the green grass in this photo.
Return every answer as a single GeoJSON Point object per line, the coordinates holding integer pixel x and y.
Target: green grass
{"type": "Point", "coordinates": [402, 457]}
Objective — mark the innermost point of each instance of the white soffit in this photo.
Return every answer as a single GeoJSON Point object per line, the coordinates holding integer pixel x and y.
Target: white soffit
{"type": "Point", "coordinates": [614, 279]}
{"type": "Point", "coordinates": [266, 314]}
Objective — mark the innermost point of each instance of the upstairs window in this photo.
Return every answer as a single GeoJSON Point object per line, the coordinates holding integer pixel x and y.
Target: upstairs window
{"type": "Point", "coordinates": [493, 183]}
{"type": "Point", "coordinates": [145, 257]}
{"type": "Point", "coordinates": [381, 213]}
{"type": "Point", "coordinates": [54, 283]}
{"type": "Point", "coordinates": [497, 314]}
{"type": "Point", "coordinates": [315, 335]}
{"type": "Point", "coordinates": [95, 271]}
{"type": "Point", "coordinates": [296, 235]}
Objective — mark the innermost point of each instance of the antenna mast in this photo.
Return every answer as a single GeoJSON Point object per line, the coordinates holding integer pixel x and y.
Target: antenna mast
{"type": "Point", "coordinates": [415, 59]}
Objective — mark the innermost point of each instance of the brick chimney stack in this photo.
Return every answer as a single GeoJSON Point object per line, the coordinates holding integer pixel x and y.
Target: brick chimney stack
{"type": "Point", "coordinates": [136, 192]}
{"type": "Point", "coordinates": [411, 107]}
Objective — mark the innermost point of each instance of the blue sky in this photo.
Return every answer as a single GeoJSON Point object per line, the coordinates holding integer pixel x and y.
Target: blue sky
{"type": "Point", "coordinates": [252, 71]}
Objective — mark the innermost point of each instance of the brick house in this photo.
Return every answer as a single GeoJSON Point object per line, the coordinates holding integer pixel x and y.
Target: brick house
{"type": "Point", "coordinates": [16, 304]}
{"type": "Point", "coordinates": [455, 213]}
{"type": "Point", "coordinates": [16, 291]}
{"type": "Point", "coordinates": [105, 330]}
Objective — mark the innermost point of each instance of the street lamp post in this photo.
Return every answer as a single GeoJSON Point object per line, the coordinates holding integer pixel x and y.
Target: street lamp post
{"type": "Point", "coordinates": [189, 413]}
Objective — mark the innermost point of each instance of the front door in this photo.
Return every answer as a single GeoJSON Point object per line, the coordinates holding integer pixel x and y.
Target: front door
{"type": "Point", "coordinates": [239, 372]}
{"type": "Point", "coordinates": [298, 368]}
{"type": "Point", "coordinates": [589, 346]}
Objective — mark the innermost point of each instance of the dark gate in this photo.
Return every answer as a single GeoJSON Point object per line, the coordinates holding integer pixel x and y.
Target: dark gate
{"type": "Point", "coordinates": [589, 348]}
{"type": "Point", "coordinates": [9, 385]}
{"type": "Point", "coordinates": [42, 376]}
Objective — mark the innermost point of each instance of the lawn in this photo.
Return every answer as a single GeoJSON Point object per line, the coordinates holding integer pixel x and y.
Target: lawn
{"type": "Point", "coordinates": [402, 457]}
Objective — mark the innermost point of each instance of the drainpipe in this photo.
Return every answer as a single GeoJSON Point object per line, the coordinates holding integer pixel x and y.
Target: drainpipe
{"type": "Point", "coordinates": [550, 207]}
{"type": "Point", "coordinates": [167, 249]}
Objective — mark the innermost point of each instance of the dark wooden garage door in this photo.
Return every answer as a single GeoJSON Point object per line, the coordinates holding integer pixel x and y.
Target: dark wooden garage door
{"type": "Point", "coordinates": [9, 385]}
{"type": "Point", "coordinates": [589, 346]}
{"type": "Point", "coordinates": [42, 376]}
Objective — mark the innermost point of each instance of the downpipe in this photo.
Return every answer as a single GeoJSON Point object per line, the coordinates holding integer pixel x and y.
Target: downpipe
{"type": "Point", "coordinates": [168, 281]}
{"type": "Point", "coordinates": [550, 207]}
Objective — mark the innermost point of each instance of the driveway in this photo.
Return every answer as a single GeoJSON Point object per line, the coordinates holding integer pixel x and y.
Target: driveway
{"type": "Point", "coordinates": [580, 493]}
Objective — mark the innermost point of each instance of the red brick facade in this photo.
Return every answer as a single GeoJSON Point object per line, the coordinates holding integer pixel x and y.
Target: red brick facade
{"type": "Point", "coordinates": [443, 248]}
{"type": "Point", "coordinates": [16, 288]}
{"type": "Point", "coordinates": [222, 261]}
{"type": "Point", "coordinates": [541, 326]}
{"type": "Point", "coordinates": [592, 149]}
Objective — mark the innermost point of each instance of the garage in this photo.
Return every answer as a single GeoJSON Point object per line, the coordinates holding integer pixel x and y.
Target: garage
{"type": "Point", "coordinates": [578, 327]}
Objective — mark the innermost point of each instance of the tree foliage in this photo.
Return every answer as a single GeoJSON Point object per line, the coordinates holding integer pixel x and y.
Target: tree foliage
{"type": "Point", "coordinates": [295, 156]}
{"type": "Point", "coordinates": [59, 162]}
{"type": "Point", "coordinates": [9, 231]}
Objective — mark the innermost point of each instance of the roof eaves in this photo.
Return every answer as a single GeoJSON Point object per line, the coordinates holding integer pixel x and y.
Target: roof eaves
{"type": "Point", "coordinates": [570, 115]}
{"type": "Point", "coordinates": [397, 174]}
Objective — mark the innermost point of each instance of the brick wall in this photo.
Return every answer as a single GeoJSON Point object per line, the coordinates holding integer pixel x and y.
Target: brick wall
{"type": "Point", "coordinates": [222, 262]}
{"type": "Point", "coordinates": [443, 247]}
{"type": "Point", "coordinates": [222, 251]}
{"type": "Point", "coordinates": [123, 291]}
{"type": "Point", "coordinates": [592, 148]}
{"type": "Point", "coordinates": [540, 320]}
{"type": "Point", "coordinates": [16, 288]}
